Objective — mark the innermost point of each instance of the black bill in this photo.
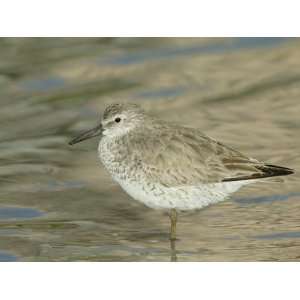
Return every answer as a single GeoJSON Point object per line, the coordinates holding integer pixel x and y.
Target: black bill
{"type": "Point", "coordinates": [87, 135]}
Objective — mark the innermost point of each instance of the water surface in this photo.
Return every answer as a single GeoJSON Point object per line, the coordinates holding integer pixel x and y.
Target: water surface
{"type": "Point", "coordinates": [57, 203]}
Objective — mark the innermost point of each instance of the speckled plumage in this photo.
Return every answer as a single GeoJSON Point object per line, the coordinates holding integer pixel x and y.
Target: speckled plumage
{"type": "Point", "coordinates": [166, 166]}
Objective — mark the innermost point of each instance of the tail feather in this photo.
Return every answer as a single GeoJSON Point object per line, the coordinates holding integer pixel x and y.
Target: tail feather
{"type": "Point", "coordinates": [265, 172]}
{"type": "Point", "coordinates": [272, 170]}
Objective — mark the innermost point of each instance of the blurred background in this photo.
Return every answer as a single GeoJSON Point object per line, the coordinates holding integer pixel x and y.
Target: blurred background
{"type": "Point", "coordinates": [57, 203]}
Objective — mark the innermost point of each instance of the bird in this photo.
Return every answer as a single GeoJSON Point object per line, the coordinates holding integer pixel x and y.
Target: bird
{"type": "Point", "coordinates": [168, 166]}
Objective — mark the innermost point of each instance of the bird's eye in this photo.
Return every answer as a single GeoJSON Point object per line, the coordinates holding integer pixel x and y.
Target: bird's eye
{"type": "Point", "coordinates": [117, 120]}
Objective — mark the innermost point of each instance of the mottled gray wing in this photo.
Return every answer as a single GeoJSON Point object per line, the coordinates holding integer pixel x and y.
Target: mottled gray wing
{"type": "Point", "coordinates": [180, 156]}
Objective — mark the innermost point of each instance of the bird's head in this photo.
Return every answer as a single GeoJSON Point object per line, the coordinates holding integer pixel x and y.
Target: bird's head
{"type": "Point", "coordinates": [117, 120]}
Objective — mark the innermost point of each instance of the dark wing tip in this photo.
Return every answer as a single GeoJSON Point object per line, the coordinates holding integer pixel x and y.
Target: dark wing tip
{"type": "Point", "coordinates": [266, 171]}
{"type": "Point", "coordinates": [273, 170]}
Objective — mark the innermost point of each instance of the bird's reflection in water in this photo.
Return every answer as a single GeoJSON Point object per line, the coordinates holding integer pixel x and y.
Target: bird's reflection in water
{"type": "Point", "coordinates": [173, 250]}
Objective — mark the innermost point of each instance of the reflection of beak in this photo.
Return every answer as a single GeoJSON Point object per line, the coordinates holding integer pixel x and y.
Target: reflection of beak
{"type": "Point", "coordinates": [87, 135]}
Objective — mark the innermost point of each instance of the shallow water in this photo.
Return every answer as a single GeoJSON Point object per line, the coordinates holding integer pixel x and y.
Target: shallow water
{"type": "Point", "coordinates": [57, 203]}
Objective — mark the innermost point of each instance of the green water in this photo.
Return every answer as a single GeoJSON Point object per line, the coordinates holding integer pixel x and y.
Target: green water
{"type": "Point", "coordinates": [57, 203]}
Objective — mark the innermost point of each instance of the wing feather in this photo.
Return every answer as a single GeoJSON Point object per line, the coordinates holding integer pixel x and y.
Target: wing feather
{"type": "Point", "coordinates": [181, 156]}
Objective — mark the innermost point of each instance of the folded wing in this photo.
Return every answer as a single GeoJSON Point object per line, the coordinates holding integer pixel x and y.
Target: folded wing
{"type": "Point", "coordinates": [180, 156]}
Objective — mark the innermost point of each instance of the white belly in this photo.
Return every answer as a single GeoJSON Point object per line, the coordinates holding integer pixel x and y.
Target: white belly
{"type": "Point", "coordinates": [181, 198]}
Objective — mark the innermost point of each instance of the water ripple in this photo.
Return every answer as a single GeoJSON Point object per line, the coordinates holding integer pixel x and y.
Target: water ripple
{"type": "Point", "coordinates": [266, 199]}
{"type": "Point", "coordinates": [10, 212]}
{"type": "Point", "coordinates": [6, 257]}
{"type": "Point", "coordinates": [279, 235]}
{"type": "Point", "coordinates": [236, 44]}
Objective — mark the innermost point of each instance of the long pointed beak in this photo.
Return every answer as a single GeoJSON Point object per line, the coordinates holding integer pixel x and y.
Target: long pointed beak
{"type": "Point", "coordinates": [87, 135]}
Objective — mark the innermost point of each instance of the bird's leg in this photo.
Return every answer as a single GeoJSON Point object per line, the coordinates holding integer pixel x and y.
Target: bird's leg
{"type": "Point", "coordinates": [173, 217]}
{"type": "Point", "coordinates": [173, 251]}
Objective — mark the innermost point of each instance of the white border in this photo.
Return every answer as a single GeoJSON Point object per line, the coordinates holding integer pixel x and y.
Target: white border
{"type": "Point", "coordinates": [145, 280]}
{"type": "Point", "coordinates": [149, 281]}
{"type": "Point", "coordinates": [149, 18]}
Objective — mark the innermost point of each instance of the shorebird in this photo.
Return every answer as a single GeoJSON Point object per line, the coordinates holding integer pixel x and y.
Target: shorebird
{"type": "Point", "coordinates": [171, 167]}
